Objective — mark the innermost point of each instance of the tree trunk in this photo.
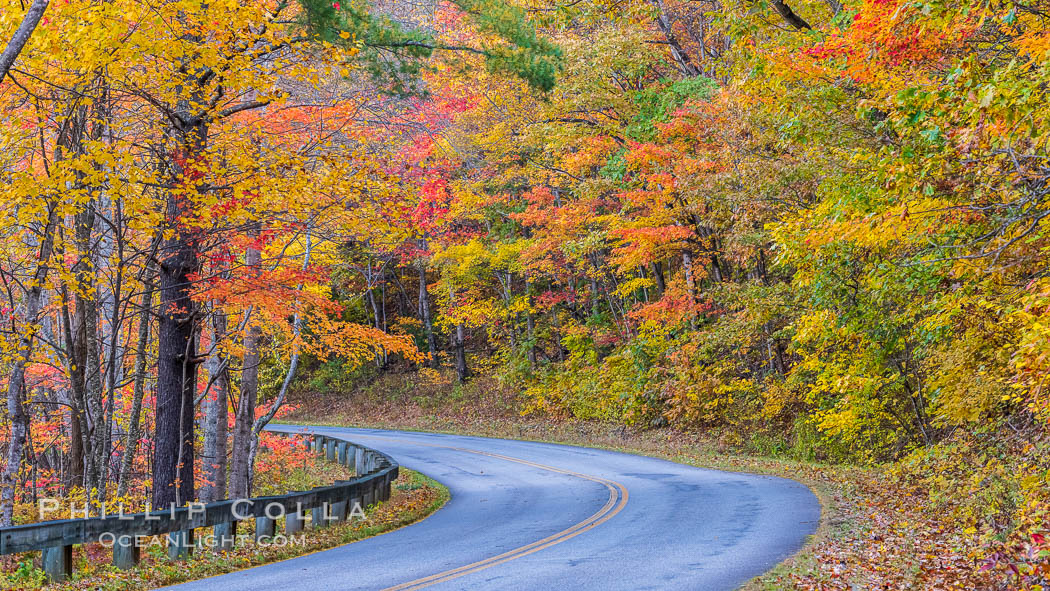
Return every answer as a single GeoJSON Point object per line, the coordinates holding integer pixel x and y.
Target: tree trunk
{"type": "Point", "coordinates": [16, 376]}
{"type": "Point", "coordinates": [506, 279]}
{"type": "Point", "coordinates": [678, 53]}
{"type": "Point", "coordinates": [690, 283]}
{"type": "Point", "coordinates": [114, 351]}
{"type": "Point", "coordinates": [462, 371]}
{"type": "Point", "coordinates": [131, 439]}
{"type": "Point", "coordinates": [85, 352]}
{"type": "Point", "coordinates": [75, 475]}
{"type": "Point", "coordinates": [595, 298]}
{"type": "Point", "coordinates": [21, 36]}
{"type": "Point", "coordinates": [245, 414]}
{"type": "Point", "coordinates": [177, 360]}
{"type": "Point", "coordinates": [424, 310]}
{"type": "Point", "coordinates": [176, 339]}
{"type": "Point", "coordinates": [264, 420]}
{"type": "Point", "coordinates": [213, 454]}
{"type": "Point", "coordinates": [530, 323]}
{"type": "Point", "coordinates": [657, 269]}
{"type": "Point", "coordinates": [690, 279]}
{"type": "Point", "coordinates": [379, 320]}
{"type": "Point", "coordinates": [789, 15]}
{"type": "Point", "coordinates": [80, 451]}
{"type": "Point", "coordinates": [176, 374]}
{"type": "Point", "coordinates": [645, 290]}
{"type": "Point", "coordinates": [457, 341]}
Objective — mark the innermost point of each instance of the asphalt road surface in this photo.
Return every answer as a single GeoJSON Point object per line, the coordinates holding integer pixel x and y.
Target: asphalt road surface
{"type": "Point", "coordinates": [538, 516]}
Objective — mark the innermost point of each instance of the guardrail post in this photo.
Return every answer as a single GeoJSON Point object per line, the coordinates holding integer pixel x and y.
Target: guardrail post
{"type": "Point", "coordinates": [388, 483]}
{"type": "Point", "coordinates": [340, 452]}
{"type": "Point", "coordinates": [58, 562]}
{"type": "Point", "coordinates": [318, 442]}
{"type": "Point", "coordinates": [180, 544]}
{"type": "Point", "coordinates": [370, 493]}
{"type": "Point", "coordinates": [359, 461]}
{"type": "Point", "coordinates": [293, 522]}
{"type": "Point", "coordinates": [355, 502]}
{"type": "Point", "coordinates": [338, 511]}
{"type": "Point", "coordinates": [225, 535]}
{"type": "Point", "coordinates": [329, 450]}
{"type": "Point", "coordinates": [319, 516]}
{"type": "Point", "coordinates": [265, 528]}
{"type": "Point", "coordinates": [126, 552]}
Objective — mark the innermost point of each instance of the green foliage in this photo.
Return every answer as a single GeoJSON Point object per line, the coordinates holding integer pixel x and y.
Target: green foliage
{"type": "Point", "coordinates": [524, 54]}
{"type": "Point", "coordinates": [331, 376]}
{"type": "Point", "coordinates": [657, 103]}
{"type": "Point", "coordinates": [395, 56]}
{"type": "Point", "coordinates": [25, 576]}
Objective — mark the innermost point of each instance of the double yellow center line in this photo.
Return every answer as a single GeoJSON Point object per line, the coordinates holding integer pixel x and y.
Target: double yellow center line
{"type": "Point", "coordinates": [617, 501]}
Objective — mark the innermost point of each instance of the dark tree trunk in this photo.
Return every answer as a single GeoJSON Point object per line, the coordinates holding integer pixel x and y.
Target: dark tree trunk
{"type": "Point", "coordinates": [789, 15]}
{"type": "Point", "coordinates": [176, 368]}
{"type": "Point", "coordinates": [176, 339]}
{"type": "Point", "coordinates": [658, 275]}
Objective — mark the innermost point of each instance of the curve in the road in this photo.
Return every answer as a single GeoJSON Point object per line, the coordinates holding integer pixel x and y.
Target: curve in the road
{"type": "Point", "coordinates": [618, 496]}
{"type": "Point", "coordinates": [527, 515]}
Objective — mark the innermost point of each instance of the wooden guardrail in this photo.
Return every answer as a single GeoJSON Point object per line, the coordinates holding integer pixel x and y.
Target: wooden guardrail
{"type": "Point", "coordinates": [375, 473]}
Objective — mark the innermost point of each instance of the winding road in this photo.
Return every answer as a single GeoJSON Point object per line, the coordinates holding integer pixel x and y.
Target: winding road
{"type": "Point", "coordinates": [538, 516]}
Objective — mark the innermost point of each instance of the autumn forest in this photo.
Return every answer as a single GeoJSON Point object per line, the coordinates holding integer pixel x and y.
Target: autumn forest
{"type": "Point", "coordinates": [809, 230]}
